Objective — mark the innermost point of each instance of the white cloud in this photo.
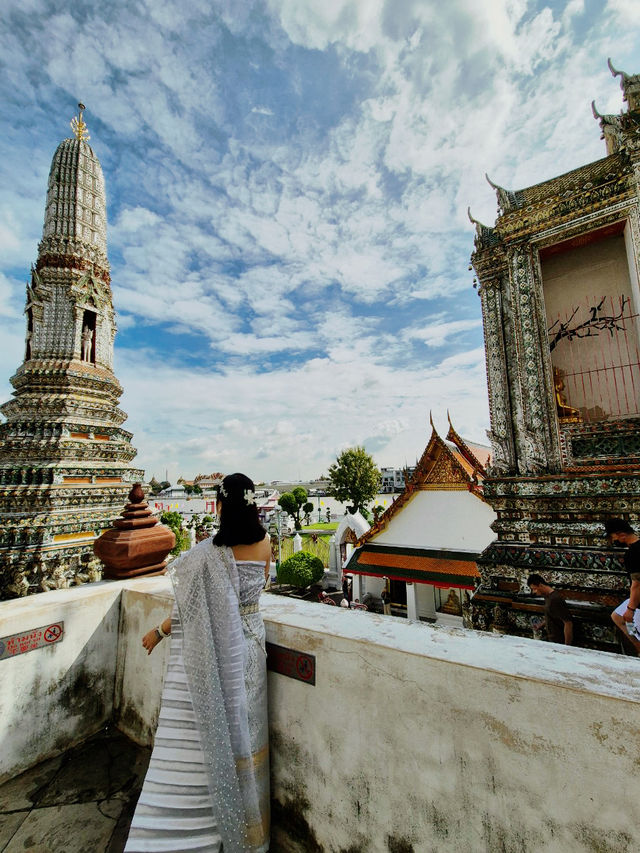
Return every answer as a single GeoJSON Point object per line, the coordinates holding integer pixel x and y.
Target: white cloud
{"type": "Point", "coordinates": [438, 333]}
{"type": "Point", "coordinates": [287, 197]}
{"type": "Point", "coordinates": [272, 424]}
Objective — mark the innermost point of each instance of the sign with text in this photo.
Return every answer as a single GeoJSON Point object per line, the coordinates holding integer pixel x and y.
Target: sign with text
{"type": "Point", "coordinates": [292, 663]}
{"type": "Point", "coordinates": [27, 641]}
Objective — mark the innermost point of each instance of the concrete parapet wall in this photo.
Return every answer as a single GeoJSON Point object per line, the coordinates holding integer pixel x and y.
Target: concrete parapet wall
{"type": "Point", "coordinates": [414, 737]}
{"type": "Point", "coordinates": [139, 679]}
{"type": "Point", "coordinates": [55, 696]}
{"type": "Point", "coordinates": [419, 738]}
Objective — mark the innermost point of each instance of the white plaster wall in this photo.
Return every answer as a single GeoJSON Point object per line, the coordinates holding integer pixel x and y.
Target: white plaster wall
{"type": "Point", "coordinates": [53, 697]}
{"type": "Point", "coordinates": [448, 740]}
{"type": "Point", "coordinates": [414, 738]}
{"type": "Point", "coordinates": [144, 604]}
{"type": "Point", "coordinates": [580, 278]}
{"type": "Point", "coordinates": [455, 520]}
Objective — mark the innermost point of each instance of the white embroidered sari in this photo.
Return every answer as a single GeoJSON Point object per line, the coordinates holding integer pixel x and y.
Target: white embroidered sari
{"type": "Point", "coordinates": [219, 631]}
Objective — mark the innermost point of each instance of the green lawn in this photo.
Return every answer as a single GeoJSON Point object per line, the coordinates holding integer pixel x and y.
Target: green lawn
{"type": "Point", "coordinates": [333, 525]}
{"type": "Point", "coordinates": [320, 548]}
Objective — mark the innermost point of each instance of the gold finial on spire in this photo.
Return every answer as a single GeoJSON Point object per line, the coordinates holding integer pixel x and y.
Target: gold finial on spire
{"type": "Point", "coordinates": [78, 126]}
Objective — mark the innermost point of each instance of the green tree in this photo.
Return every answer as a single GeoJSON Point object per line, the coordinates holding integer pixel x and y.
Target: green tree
{"type": "Point", "coordinates": [173, 520]}
{"type": "Point", "coordinates": [377, 512]}
{"type": "Point", "coordinates": [154, 486]}
{"type": "Point", "coordinates": [354, 477]}
{"type": "Point", "coordinates": [295, 502]}
{"type": "Point", "coordinates": [301, 570]}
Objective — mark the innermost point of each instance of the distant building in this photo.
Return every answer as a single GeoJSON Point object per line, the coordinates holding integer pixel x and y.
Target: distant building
{"type": "Point", "coordinates": [172, 493]}
{"type": "Point", "coordinates": [394, 479]}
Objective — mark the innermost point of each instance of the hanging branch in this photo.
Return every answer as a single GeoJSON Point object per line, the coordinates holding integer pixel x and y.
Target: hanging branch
{"type": "Point", "coordinates": [596, 323]}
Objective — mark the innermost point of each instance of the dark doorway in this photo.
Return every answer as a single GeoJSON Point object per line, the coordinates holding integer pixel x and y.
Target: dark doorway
{"type": "Point", "coordinates": [27, 354]}
{"type": "Point", "coordinates": [398, 590]}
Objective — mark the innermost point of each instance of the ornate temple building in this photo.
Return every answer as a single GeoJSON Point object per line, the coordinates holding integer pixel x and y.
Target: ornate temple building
{"type": "Point", "coordinates": [64, 458]}
{"type": "Point", "coordinates": [558, 281]}
{"type": "Point", "coordinates": [425, 546]}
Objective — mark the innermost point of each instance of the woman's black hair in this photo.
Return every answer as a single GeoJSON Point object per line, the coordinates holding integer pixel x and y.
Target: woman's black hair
{"type": "Point", "coordinates": [239, 522]}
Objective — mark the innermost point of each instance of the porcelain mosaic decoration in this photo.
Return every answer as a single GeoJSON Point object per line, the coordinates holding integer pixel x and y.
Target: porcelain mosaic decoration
{"type": "Point", "coordinates": [65, 460]}
{"type": "Point", "coordinates": [558, 282]}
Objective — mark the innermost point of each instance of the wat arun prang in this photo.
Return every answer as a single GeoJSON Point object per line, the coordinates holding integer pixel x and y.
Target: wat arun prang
{"type": "Point", "coordinates": [65, 461]}
{"type": "Point", "coordinates": [559, 283]}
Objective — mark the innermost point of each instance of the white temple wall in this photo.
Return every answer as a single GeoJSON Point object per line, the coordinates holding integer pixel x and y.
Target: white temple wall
{"type": "Point", "coordinates": [454, 520]}
{"type": "Point", "coordinates": [139, 676]}
{"type": "Point", "coordinates": [594, 365]}
{"type": "Point", "coordinates": [426, 600]}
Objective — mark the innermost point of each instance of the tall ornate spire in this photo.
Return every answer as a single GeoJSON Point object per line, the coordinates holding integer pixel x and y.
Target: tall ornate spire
{"type": "Point", "coordinates": [64, 457]}
{"type": "Point", "coordinates": [75, 219]}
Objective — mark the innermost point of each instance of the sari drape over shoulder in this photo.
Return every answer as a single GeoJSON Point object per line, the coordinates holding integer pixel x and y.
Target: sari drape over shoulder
{"type": "Point", "coordinates": [216, 656]}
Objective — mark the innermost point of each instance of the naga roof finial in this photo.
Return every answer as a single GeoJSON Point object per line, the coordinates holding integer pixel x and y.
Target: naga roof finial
{"type": "Point", "coordinates": [78, 126]}
{"type": "Point", "coordinates": [475, 221]}
{"type": "Point", "coordinates": [594, 110]}
{"type": "Point", "coordinates": [491, 184]}
{"type": "Point", "coordinates": [615, 71]}
{"type": "Point", "coordinates": [507, 199]}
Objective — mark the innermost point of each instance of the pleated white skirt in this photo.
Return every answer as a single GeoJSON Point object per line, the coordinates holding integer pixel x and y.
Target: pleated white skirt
{"type": "Point", "coordinates": [174, 812]}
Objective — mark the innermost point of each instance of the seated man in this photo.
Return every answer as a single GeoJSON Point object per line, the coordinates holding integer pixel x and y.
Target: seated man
{"type": "Point", "coordinates": [557, 616]}
{"type": "Point", "coordinates": [626, 616]}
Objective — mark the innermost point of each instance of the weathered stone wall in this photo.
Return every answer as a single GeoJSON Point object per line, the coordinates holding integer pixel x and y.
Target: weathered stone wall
{"type": "Point", "coordinates": [414, 738]}
{"type": "Point", "coordinates": [56, 696]}
{"type": "Point", "coordinates": [136, 706]}
{"type": "Point", "coordinates": [418, 738]}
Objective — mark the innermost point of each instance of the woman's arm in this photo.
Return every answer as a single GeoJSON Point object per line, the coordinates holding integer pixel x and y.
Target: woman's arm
{"type": "Point", "coordinates": [267, 565]}
{"type": "Point", "coordinates": [153, 637]}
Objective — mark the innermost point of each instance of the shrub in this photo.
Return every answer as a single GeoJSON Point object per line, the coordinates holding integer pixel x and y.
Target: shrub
{"type": "Point", "coordinates": [301, 570]}
{"type": "Point", "coordinates": [173, 520]}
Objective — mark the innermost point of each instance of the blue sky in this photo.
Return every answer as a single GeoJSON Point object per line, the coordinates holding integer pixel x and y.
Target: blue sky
{"type": "Point", "coordinates": [287, 186]}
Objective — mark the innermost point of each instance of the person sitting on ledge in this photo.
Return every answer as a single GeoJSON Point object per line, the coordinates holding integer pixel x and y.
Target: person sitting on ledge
{"type": "Point", "coordinates": [626, 616]}
{"type": "Point", "coordinates": [557, 616]}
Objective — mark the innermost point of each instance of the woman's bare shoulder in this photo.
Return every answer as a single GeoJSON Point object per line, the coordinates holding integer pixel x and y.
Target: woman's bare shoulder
{"type": "Point", "coordinates": [256, 551]}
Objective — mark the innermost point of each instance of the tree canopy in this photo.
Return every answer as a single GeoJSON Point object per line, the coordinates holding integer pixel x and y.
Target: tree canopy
{"type": "Point", "coordinates": [295, 502]}
{"type": "Point", "coordinates": [354, 478]}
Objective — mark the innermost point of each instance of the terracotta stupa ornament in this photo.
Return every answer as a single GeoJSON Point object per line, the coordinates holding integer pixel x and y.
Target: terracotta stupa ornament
{"type": "Point", "coordinates": [137, 544]}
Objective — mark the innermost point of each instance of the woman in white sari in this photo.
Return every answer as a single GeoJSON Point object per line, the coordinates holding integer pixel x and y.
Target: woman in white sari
{"type": "Point", "coordinates": [207, 786]}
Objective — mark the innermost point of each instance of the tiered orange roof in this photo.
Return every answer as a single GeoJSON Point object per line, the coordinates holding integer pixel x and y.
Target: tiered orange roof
{"type": "Point", "coordinates": [446, 464]}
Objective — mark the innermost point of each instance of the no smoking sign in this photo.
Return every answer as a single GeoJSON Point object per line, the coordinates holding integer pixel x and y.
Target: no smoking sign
{"type": "Point", "coordinates": [292, 663]}
{"type": "Point", "coordinates": [27, 641]}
